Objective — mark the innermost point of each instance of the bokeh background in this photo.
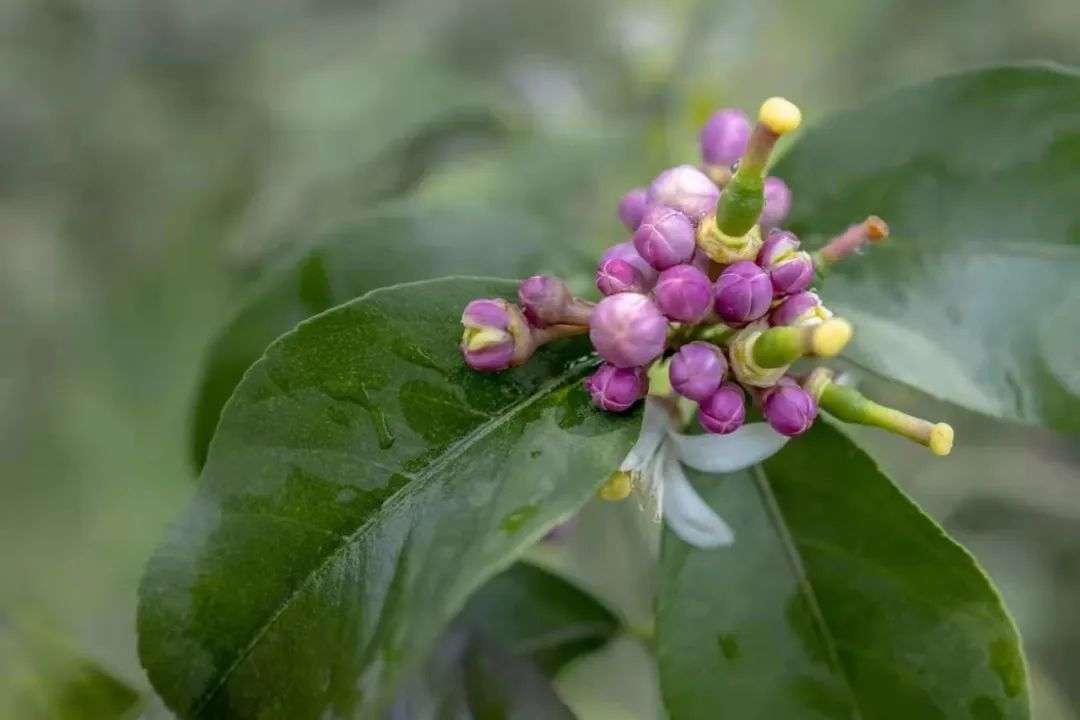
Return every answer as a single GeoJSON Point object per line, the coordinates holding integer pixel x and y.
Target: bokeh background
{"type": "Point", "coordinates": [156, 156]}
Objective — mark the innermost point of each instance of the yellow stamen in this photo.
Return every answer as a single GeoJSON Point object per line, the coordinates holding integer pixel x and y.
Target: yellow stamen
{"type": "Point", "coordinates": [779, 115]}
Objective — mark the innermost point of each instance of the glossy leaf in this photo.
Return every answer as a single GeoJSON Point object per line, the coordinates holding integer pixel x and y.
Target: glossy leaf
{"type": "Point", "coordinates": [389, 246]}
{"type": "Point", "coordinates": [495, 660]}
{"type": "Point", "coordinates": [839, 599]}
{"type": "Point", "coordinates": [361, 485]}
{"type": "Point", "coordinates": [43, 679]}
{"type": "Point", "coordinates": [976, 175]}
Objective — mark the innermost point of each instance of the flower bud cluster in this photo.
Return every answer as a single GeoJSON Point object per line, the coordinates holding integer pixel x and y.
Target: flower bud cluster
{"type": "Point", "coordinates": [709, 283]}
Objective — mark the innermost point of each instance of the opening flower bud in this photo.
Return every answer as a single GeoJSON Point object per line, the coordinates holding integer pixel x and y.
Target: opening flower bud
{"type": "Point", "coordinates": [618, 276]}
{"type": "Point", "coordinates": [665, 237]}
{"type": "Point", "coordinates": [686, 189]}
{"type": "Point", "coordinates": [628, 329]}
{"type": "Point", "coordinates": [626, 252]}
{"type": "Point", "coordinates": [788, 408]}
{"type": "Point", "coordinates": [683, 293]}
{"type": "Point", "coordinates": [743, 293]}
{"type": "Point", "coordinates": [632, 207]}
{"type": "Point", "coordinates": [616, 389]}
{"type": "Point", "coordinates": [697, 370]}
{"type": "Point", "coordinates": [724, 137]}
{"type": "Point", "coordinates": [790, 269]}
{"type": "Point", "coordinates": [777, 203]}
{"type": "Point", "coordinates": [495, 333]}
{"type": "Point", "coordinates": [803, 308]}
{"type": "Point", "coordinates": [724, 411]}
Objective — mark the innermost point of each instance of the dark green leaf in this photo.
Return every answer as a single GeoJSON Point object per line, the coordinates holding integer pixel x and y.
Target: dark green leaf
{"type": "Point", "coordinates": [524, 623]}
{"type": "Point", "coordinates": [362, 483]}
{"type": "Point", "coordinates": [390, 246]}
{"type": "Point", "coordinates": [839, 599]}
{"type": "Point", "coordinates": [976, 174]}
{"type": "Point", "coordinates": [535, 613]}
{"type": "Point", "coordinates": [43, 679]}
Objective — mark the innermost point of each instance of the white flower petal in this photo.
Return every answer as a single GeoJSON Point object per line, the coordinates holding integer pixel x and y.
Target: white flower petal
{"type": "Point", "coordinates": [688, 515]}
{"type": "Point", "coordinates": [655, 422]}
{"type": "Point", "coordinates": [747, 446]}
{"type": "Point", "coordinates": [650, 484]}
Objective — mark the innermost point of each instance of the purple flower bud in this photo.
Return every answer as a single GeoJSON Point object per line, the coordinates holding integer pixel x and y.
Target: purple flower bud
{"type": "Point", "coordinates": [743, 292]}
{"type": "Point", "coordinates": [777, 203]}
{"type": "Point", "coordinates": [724, 137]}
{"type": "Point", "coordinates": [626, 252]}
{"type": "Point", "coordinates": [628, 329]}
{"type": "Point", "coordinates": [686, 189]}
{"type": "Point", "coordinates": [723, 412]}
{"type": "Point", "coordinates": [683, 293]}
{"type": "Point", "coordinates": [665, 237]}
{"type": "Point", "coordinates": [790, 269]}
{"type": "Point", "coordinates": [544, 299]}
{"type": "Point", "coordinates": [796, 309]}
{"type": "Point", "coordinates": [616, 389]}
{"type": "Point", "coordinates": [618, 276]}
{"type": "Point", "coordinates": [697, 370]}
{"type": "Point", "coordinates": [488, 340]}
{"type": "Point", "coordinates": [632, 206]}
{"type": "Point", "coordinates": [788, 408]}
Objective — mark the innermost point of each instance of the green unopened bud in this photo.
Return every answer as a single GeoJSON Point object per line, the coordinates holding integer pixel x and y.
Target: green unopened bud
{"type": "Point", "coordinates": [781, 346]}
{"type": "Point", "coordinates": [743, 198]}
{"type": "Point", "coordinates": [848, 404]}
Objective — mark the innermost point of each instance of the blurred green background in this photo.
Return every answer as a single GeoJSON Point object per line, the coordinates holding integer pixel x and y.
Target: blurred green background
{"type": "Point", "coordinates": [154, 156]}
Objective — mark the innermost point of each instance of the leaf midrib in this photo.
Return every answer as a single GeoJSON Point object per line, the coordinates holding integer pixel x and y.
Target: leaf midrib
{"type": "Point", "coordinates": [772, 507]}
{"type": "Point", "coordinates": [454, 451]}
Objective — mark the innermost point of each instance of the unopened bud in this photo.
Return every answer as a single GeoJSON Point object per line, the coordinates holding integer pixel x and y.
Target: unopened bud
{"type": "Point", "coordinates": [788, 408]}
{"type": "Point", "coordinates": [724, 411]}
{"type": "Point", "coordinates": [665, 237]}
{"type": "Point", "coordinates": [547, 301]}
{"type": "Point", "coordinates": [686, 189]}
{"type": "Point", "coordinates": [777, 203]}
{"type": "Point", "coordinates": [628, 329]}
{"type": "Point", "coordinates": [632, 207]}
{"type": "Point", "coordinates": [743, 293]}
{"type": "Point", "coordinates": [618, 276]}
{"type": "Point", "coordinates": [790, 269]}
{"type": "Point", "coordinates": [683, 293]}
{"type": "Point", "coordinates": [625, 251]}
{"type": "Point", "coordinates": [697, 370]}
{"type": "Point", "coordinates": [616, 389]}
{"type": "Point", "coordinates": [724, 137]}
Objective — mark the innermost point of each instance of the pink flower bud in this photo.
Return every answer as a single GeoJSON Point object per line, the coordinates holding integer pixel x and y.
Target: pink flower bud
{"type": "Point", "coordinates": [632, 206]}
{"type": "Point", "coordinates": [724, 411]}
{"type": "Point", "coordinates": [790, 269]}
{"type": "Point", "coordinates": [616, 389]}
{"type": "Point", "coordinates": [628, 329]}
{"type": "Point", "coordinates": [724, 137]}
{"type": "Point", "coordinates": [686, 189]}
{"type": "Point", "coordinates": [743, 293]}
{"type": "Point", "coordinates": [777, 203]}
{"type": "Point", "coordinates": [544, 299]}
{"type": "Point", "coordinates": [626, 252]}
{"type": "Point", "coordinates": [697, 370]}
{"type": "Point", "coordinates": [665, 237]}
{"type": "Point", "coordinates": [796, 309]}
{"type": "Point", "coordinates": [491, 334]}
{"type": "Point", "coordinates": [788, 408]}
{"type": "Point", "coordinates": [618, 276]}
{"type": "Point", "coordinates": [683, 293]}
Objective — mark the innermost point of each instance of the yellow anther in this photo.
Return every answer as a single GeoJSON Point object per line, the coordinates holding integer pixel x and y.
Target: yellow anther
{"type": "Point", "coordinates": [941, 439]}
{"type": "Point", "coordinates": [481, 338]}
{"type": "Point", "coordinates": [779, 115]}
{"type": "Point", "coordinates": [616, 487]}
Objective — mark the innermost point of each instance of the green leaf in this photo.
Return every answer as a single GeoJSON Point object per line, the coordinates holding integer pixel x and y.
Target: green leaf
{"type": "Point", "coordinates": [361, 485]}
{"type": "Point", "coordinates": [976, 175]}
{"type": "Point", "coordinates": [390, 246]}
{"type": "Point", "coordinates": [41, 678]}
{"type": "Point", "coordinates": [523, 625]}
{"type": "Point", "coordinates": [533, 612]}
{"type": "Point", "coordinates": [839, 599]}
